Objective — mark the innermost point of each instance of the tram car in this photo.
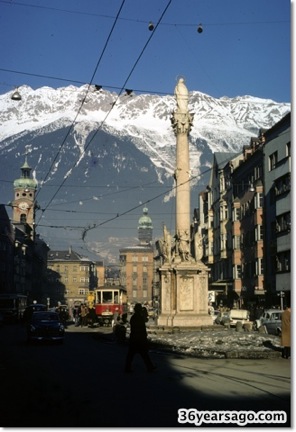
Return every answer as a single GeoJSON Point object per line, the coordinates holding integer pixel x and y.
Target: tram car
{"type": "Point", "coordinates": [109, 300]}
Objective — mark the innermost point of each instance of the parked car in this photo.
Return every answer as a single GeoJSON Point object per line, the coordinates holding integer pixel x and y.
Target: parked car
{"type": "Point", "coordinates": [45, 326]}
{"type": "Point", "coordinates": [232, 317]}
{"type": "Point", "coordinates": [272, 320]}
{"type": "Point", "coordinates": [33, 308]}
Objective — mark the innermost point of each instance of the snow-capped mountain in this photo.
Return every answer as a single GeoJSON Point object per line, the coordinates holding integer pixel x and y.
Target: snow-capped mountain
{"type": "Point", "coordinates": [99, 157]}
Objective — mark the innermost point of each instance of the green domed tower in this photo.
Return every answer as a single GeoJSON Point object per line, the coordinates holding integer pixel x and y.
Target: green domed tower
{"type": "Point", "coordinates": [24, 197]}
{"type": "Point", "coordinates": [145, 228]}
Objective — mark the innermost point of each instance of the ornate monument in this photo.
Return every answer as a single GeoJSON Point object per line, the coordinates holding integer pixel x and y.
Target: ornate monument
{"type": "Point", "coordinates": [184, 278]}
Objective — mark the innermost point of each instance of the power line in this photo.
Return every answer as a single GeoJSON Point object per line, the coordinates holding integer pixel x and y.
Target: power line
{"type": "Point", "coordinates": [83, 100]}
{"type": "Point", "coordinates": [103, 85]}
{"type": "Point", "coordinates": [71, 11]}
{"type": "Point", "coordinates": [108, 113]}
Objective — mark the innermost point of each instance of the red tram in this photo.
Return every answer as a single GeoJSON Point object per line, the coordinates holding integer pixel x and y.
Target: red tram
{"type": "Point", "coordinates": [108, 301]}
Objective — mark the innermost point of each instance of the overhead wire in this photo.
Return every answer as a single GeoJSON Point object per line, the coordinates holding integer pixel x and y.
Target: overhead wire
{"type": "Point", "coordinates": [83, 100]}
{"type": "Point", "coordinates": [29, 5]}
{"type": "Point", "coordinates": [112, 107]}
{"type": "Point", "coordinates": [105, 86]}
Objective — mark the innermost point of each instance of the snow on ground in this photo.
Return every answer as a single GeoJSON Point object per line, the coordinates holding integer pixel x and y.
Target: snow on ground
{"type": "Point", "coordinates": [216, 342]}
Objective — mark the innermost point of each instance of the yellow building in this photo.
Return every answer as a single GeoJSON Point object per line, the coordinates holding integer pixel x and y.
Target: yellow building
{"type": "Point", "coordinates": [72, 277]}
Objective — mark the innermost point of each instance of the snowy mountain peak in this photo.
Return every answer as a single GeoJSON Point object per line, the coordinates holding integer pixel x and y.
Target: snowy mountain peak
{"type": "Point", "coordinates": [113, 150]}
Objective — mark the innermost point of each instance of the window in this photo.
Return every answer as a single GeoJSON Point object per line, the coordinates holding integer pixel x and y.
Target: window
{"type": "Point", "coordinates": [134, 294]}
{"type": "Point", "coordinates": [236, 242]}
{"type": "Point", "coordinates": [135, 258]}
{"type": "Point", "coordinates": [23, 218]}
{"type": "Point", "coordinates": [81, 291]}
{"type": "Point", "coordinates": [222, 242]}
{"type": "Point", "coordinates": [107, 297]}
{"type": "Point", "coordinates": [236, 214]}
{"type": "Point", "coordinates": [259, 266]}
{"type": "Point", "coordinates": [283, 185]}
{"type": "Point", "coordinates": [237, 272]}
{"type": "Point", "coordinates": [288, 149]}
{"type": "Point", "coordinates": [259, 232]}
{"type": "Point", "coordinates": [283, 222]}
{"type": "Point", "coordinates": [283, 261]}
{"type": "Point", "coordinates": [259, 200]}
{"type": "Point", "coordinates": [273, 159]}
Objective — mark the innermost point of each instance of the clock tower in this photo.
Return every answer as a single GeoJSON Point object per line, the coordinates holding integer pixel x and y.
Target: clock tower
{"type": "Point", "coordinates": [24, 204]}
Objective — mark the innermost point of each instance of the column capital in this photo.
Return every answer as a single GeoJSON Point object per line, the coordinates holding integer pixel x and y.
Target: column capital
{"type": "Point", "coordinates": [182, 122]}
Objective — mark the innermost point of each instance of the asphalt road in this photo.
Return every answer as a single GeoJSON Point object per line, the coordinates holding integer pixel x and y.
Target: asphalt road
{"type": "Point", "coordinates": [82, 384]}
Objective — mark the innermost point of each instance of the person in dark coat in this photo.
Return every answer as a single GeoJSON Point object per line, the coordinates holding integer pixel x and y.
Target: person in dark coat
{"type": "Point", "coordinates": [286, 333]}
{"type": "Point", "coordinates": [138, 342]}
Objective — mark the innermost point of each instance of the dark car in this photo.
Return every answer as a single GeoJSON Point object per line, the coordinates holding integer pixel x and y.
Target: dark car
{"type": "Point", "coordinates": [35, 307]}
{"type": "Point", "coordinates": [45, 326]}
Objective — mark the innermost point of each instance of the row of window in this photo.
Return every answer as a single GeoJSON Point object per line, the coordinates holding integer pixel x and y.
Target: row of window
{"type": "Point", "coordinates": [66, 279]}
{"type": "Point", "coordinates": [248, 270]}
{"type": "Point", "coordinates": [74, 268]}
{"type": "Point", "coordinates": [136, 293]}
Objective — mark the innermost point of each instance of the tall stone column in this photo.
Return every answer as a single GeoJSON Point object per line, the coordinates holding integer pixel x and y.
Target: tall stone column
{"type": "Point", "coordinates": [184, 278]}
{"type": "Point", "coordinates": [181, 123]}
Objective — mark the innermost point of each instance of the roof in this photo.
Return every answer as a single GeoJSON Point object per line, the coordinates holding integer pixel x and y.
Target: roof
{"type": "Point", "coordinates": [223, 158]}
{"type": "Point", "coordinates": [66, 255]}
{"type": "Point", "coordinates": [137, 249]}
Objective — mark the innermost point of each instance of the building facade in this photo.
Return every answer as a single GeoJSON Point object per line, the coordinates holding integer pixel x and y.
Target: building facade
{"type": "Point", "coordinates": [277, 210]}
{"type": "Point", "coordinates": [245, 217]}
{"type": "Point", "coordinates": [71, 278]}
{"type": "Point", "coordinates": [137, 264]}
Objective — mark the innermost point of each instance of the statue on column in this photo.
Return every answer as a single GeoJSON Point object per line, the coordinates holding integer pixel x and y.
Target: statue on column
{"type": "Point", "coordinates": [182, 96]}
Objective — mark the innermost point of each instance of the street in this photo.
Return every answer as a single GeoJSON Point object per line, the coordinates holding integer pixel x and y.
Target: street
{"type": "Point", "coordinates": [82, 383]}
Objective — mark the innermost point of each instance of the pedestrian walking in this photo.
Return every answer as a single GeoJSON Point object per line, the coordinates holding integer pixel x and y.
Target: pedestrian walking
{"type": "Point", "coordinates": [286, 333]}
{"type": "Point", "coordinates": [83, 314]}
{"type": "Point", "coordinates": [138, 342]}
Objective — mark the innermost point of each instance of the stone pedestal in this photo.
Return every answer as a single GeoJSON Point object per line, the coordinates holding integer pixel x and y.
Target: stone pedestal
{"type": "Point", "coordinates": [184, 295]}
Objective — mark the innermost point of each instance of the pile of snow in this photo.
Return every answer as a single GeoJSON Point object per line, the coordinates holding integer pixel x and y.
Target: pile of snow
{"type": "Point", "coordinates": [216, 342]}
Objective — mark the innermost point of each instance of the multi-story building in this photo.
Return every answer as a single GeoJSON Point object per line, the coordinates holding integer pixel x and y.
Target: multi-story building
{"type": "Point", "coordinates": [137, 264]}
{"type": "Point", "coordinates": [247, 225]}
{"type": "Point", "coordinates": [217, 229]}
{"type": "Point", "coordinates": [277, 211]}
{"type": "Point", "coordinates": [71, 277]}
{"type": "Point", "coordinates": [245, 217]}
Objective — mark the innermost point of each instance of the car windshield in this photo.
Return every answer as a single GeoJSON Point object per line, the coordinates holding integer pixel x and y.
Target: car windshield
{"type": "Point", "coordinates": [45, 317]}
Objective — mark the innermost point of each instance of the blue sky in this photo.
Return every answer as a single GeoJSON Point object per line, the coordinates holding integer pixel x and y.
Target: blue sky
{"type": "Point", "coordinates": [244, 49]}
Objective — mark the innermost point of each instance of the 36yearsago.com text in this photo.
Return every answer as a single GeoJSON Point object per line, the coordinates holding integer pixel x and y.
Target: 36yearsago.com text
{"type": "Point", "coordinates": [241, 418]}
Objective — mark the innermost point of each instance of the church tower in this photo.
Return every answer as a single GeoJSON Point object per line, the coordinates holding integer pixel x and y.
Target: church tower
{"type": "Point", "coordinates": [24, 204]}
{"type": "Point", "coordinates": [145, 228]}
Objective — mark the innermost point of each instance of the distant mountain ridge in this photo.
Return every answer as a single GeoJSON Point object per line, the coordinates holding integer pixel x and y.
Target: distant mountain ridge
{"type": "Point", "coordinates": [127, 146]}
